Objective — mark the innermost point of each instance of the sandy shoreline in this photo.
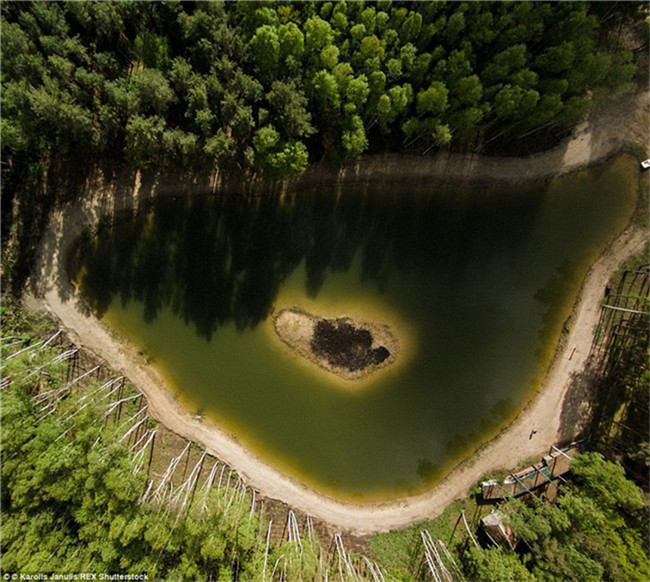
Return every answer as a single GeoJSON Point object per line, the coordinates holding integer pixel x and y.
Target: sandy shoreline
{"type": "Point", "coordinates": [100, 198]}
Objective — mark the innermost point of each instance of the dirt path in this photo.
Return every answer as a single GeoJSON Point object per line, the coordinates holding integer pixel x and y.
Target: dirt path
{"type": "Point", "coordinates": [55, 292]}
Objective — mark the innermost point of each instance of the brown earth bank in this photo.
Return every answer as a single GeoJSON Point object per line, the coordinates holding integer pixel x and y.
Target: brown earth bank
{"type": "Point", "coordinates": [349, 349]}
{"type": "Point", "coordinates": [104, 196]}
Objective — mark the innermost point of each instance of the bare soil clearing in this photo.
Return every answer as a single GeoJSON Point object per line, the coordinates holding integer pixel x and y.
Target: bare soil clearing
{"type": "Point", "coordinates": [628, 123]}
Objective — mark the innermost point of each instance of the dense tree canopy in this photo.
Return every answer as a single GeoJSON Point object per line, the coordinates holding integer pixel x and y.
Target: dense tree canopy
{"type": "Point", "coordinates": [264, 85]}
{"type": "Point", "coordinates": [262, 88]}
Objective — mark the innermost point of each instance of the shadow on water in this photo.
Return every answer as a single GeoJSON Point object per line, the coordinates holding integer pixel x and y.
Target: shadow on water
{"type": "Point", "coordinates": [484, 279]}
{"type": "Point", "coordinates": [222, 260]}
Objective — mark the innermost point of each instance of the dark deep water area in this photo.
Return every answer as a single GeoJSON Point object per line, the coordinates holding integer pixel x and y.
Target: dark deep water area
{"type": "Point", "coordinates": [477, 280]}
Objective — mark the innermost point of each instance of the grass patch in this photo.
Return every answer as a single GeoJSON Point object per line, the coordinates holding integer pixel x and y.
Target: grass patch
{"type": "Point", "coordinates": [400, 551]}
{"type": "Point", "coordinates": [18, 321]}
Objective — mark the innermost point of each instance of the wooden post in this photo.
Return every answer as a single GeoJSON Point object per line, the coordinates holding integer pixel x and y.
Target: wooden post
{"type": "Point", "coordinates": [187, 462]}
{"type": "Point", "coordinates": [454, 530]}
{"type": "Point", "coordinates": [153, 442]}
{"type": "Point", "coordinates": [467, 528]}
{"type": "Point", "coordinates": [266, 552]}
{"type": "Point", "coordinates": [286, 523]}
{"type": "Point", "coordinates": [196, 481]}
{"type": "Point", "coordinates": [119, 397]}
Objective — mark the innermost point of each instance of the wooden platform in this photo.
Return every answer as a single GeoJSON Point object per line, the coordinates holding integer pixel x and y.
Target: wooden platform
{"type": "Point", "coordinates": [551, 467]}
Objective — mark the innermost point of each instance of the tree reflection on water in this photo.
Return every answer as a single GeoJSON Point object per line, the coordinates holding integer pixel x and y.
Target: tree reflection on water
{"type": "Point", "coordinates": [221, 260]}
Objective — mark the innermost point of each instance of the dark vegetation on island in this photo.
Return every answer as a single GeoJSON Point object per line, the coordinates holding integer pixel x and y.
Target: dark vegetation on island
{"type": "Point", "coordinates": [264, 88]}
{"type": "Point", "coordinates": [345, 346]}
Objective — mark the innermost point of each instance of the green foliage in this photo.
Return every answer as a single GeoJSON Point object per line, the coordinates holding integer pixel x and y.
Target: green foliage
{"type": "Point", "coordinates": [354, 137]}
{"type": "Point", "coordinates": [151, 50]}
{"type": "Point", "coordinates": [144, 139]}
{"type": "Point", "coordinates": [397, 549]}
{"type": "Point", "coordinates": [289, 160]}
{"type": "Point", "coordinates": [495, 565]}
{"type": "Point", "coordinates": [606, 483]}
{"type": "Point", "coordinates": [292, 42]}
{"type": "Point", "coordinates": [596, 531]}
{"type": "Point", "coordinates": [70, 498]}
{"type": "Point", "coordinates": [265, 50]}
{"type": "Point", "coordinates": [152, 92]}
{"type": "Point", "coordinates": [318, 34]}
{"type": "Point", "coordinates": [325, 90]}
{"type": "Point", "coordinates": [81, 78]}
{"type": "Point", "coordinates": [394, 549]}
{"type": "Point", "coordinates": [17, 321]}
{"type": "Point", "coordinates": [288, 109]}
{"type": "Point", "coordinates": [433, 100]}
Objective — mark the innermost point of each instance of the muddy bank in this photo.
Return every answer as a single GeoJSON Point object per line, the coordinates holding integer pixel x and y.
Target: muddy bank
{"type": "Point", "coordinates": [348, 349]}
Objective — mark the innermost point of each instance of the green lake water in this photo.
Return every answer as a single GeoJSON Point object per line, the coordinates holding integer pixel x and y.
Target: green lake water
{"type": "Point", "coordinates": [477, 283]}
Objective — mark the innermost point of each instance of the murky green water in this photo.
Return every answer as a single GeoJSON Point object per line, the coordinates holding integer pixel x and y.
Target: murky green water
{"type": "Point", "coordinates": [478, 281]}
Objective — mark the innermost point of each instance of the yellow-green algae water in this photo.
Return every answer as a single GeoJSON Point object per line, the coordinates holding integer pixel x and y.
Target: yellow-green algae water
{"type": "Point", "coordinates": [476, 282]}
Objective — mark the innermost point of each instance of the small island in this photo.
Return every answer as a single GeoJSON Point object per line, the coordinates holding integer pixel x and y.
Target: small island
{"type": "Point", "coordinates": [350, 349]}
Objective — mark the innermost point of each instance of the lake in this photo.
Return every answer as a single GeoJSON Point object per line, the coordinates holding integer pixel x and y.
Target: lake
{"type": "Point", "coordinates": [477, 283]}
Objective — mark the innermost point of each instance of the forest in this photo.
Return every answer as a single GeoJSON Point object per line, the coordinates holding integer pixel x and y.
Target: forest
{"type": "Point", "coordinates": [268, 86]}
{"type": "Point", "coordinates": [78, 495]}
{"type": "Point", "coordinates": [264, 89]}
{"type": "Point", "coordinates": [247, 89]}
